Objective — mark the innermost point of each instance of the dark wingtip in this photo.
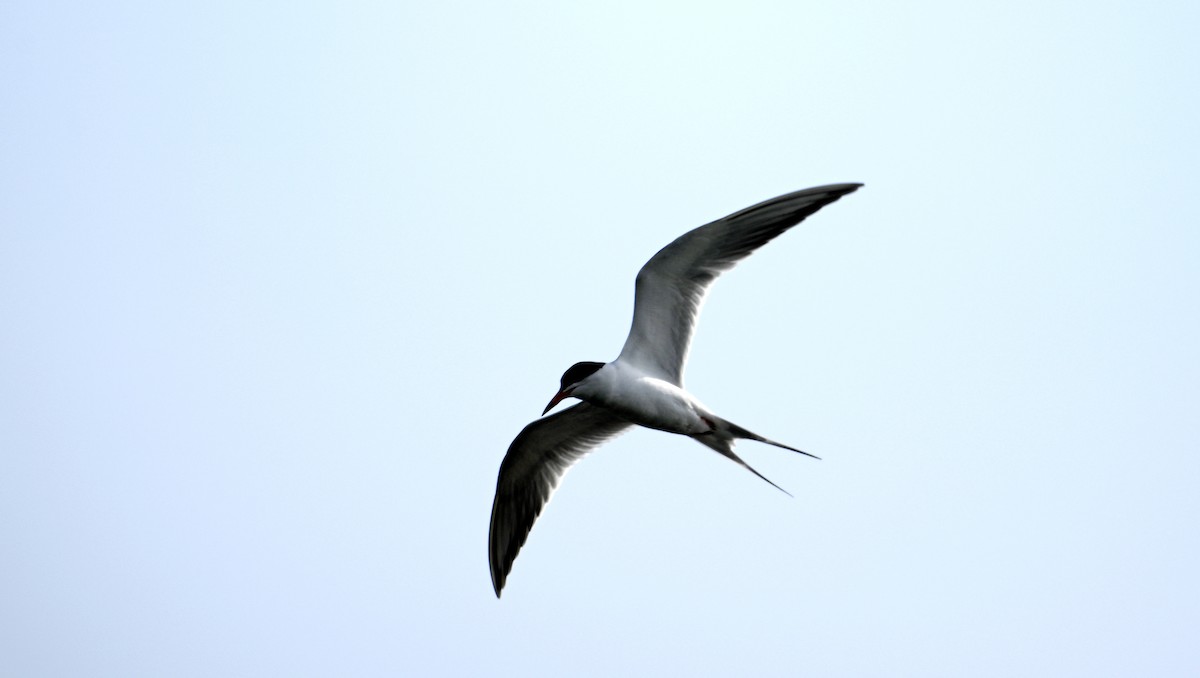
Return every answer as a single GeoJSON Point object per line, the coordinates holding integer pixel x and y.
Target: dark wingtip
{"type": "Point", "coordinates": [810, 200]}
{"type": "Point", "coordinates": [840, 190]}
{"type": "Point", "coordinates": [834, 191]}
{"type": "Point", "coordinates": [497, 583]}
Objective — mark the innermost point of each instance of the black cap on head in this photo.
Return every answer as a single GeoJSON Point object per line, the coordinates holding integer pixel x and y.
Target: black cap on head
{"type": "Point", "coordinates": [578, 372]}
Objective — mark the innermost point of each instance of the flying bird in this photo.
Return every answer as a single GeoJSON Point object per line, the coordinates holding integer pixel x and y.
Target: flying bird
{"type": "Point", "coordinates": [644, 385]}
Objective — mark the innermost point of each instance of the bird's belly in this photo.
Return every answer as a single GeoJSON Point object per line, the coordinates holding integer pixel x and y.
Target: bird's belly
{"type": "Point", "coordinates": [659, 405]}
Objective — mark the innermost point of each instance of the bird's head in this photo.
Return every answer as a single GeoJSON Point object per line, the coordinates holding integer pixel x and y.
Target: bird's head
{"type": "Point", "coordinates": [571, 379]}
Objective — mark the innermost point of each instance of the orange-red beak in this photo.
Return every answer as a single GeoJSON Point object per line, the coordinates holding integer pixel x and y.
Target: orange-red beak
{"type": "Point", "coordinates": [558, 398]}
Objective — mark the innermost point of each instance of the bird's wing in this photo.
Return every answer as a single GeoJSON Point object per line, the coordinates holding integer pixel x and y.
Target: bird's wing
{"type": "Point", "coordinates": [672, 285]}
{"type": "Point", "coordinates": [531, 470]}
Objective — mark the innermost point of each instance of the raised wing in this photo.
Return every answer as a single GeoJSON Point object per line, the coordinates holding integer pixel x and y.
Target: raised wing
{"type": "Point", "coordinates": [531, 470]}
{"type": "Point", "coordinates": [671, 286]}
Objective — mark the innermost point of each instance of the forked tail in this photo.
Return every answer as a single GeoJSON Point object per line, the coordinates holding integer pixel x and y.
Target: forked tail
{"type": "Point", "coordinates": [722, 438]}
{"type": "Point", "coordinates": [740, 432]}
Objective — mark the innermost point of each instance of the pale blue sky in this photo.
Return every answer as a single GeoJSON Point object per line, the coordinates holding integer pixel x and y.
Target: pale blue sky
{"type": "Point", "coordinates": [281, 281]}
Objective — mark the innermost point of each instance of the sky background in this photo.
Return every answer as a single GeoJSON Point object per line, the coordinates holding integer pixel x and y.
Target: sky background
{"type": "Point", "coordinates": [279, 283]}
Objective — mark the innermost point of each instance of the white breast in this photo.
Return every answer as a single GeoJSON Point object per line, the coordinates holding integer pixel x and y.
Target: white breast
{"type": "Point", "coordinates": [643, 399]}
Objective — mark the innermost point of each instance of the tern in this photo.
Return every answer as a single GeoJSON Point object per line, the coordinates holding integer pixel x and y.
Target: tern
{"type": "Point", "coordinates": [644, 385]}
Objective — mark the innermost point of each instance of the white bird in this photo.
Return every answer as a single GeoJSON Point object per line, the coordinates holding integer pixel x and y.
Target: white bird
{"type": "Point", "coordinates": [644, 385]}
